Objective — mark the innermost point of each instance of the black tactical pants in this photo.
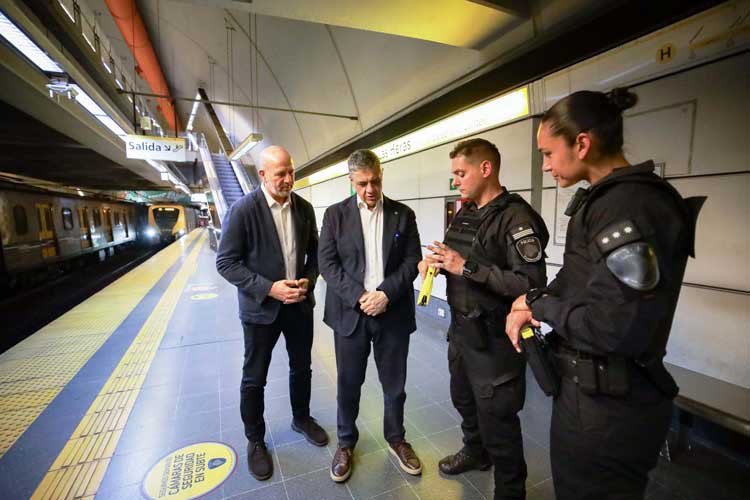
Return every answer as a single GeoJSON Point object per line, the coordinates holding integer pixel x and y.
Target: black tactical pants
{"type": "Point", "coordinates": [603, 447]}
{"type": "Point", "coordinates": [490, 416]}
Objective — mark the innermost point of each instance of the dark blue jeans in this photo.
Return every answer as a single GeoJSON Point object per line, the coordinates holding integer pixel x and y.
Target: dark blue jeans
{"type": "Point", "coordinates": [296, 323]}
{"type": "Point", "coordinates": [391, 351]}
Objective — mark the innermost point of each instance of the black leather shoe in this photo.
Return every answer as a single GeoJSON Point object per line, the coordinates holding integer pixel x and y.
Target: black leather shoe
{"type": "Point", "coordinates": [462, 462]}
{"type": "Point", "coordinates": [259, 461]}
{"type": "Point", "coordinates": [309, 428]}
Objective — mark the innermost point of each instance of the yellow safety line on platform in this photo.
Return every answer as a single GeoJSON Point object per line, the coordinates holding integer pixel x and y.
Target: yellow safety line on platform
{"type": "Point", "coordinates": [79, 468]}
{"type": "Point", "coordinates": [33, 372]}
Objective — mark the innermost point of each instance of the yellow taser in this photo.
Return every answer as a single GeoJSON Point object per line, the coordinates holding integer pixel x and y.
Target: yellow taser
{"type": "Point", "coordinates": [426, 290]}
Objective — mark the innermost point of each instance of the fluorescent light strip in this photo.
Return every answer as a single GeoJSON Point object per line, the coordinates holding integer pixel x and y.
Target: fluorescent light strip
{"type": "Point", "coordinates": [106, 66]}
{"type": "Point", "coordinates": [157, 166]}
{"type": "Point", "coordinates": [28, 48]}
{"type": "Point", "coordinates": [91, 43]}
{"type": "Point", "coordinates": [246, 145]}
{"type": "Point", "coordinates": [481, 117]}
{"type": "Point", "coordinates": [92, 107]}
{"type": "Point", "coordinates": [337, 170]}
{"type": "Point", "coordinates": [193, 112]}
{"type": "Point", "coordinates": [191, 136]}
{"type": "Point", "coordinates": [67, 11]}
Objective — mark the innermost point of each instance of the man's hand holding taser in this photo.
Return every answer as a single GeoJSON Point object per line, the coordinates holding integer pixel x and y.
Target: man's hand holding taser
{"type": "Point", "coordinates": [520, 315]}
{"type": "Point", "coordinates": [444, 257]}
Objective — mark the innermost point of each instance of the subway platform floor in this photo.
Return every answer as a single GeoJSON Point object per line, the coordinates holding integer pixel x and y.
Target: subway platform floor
{"type": "Point", "coordinates": [98, 403]}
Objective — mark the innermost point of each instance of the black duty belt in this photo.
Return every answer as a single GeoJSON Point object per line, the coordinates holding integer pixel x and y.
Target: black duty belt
{"type": "Point", "coordinates": [607, 375]}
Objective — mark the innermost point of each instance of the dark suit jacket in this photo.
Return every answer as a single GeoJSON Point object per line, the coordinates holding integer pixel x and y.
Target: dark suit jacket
{"type": "Point", "coordinates": [341, 255]}
{"type": "Point", "coordinates": [250, 256]}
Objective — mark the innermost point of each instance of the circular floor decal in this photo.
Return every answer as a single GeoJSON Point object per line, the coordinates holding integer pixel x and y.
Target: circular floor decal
{"type": "Point", "coordinates": [190, 472]}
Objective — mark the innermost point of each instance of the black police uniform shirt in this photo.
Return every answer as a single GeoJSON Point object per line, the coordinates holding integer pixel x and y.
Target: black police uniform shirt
{"type": "Point", "coordinates": [508, 251]}
{"type": "Point", "coordinates": [588, 305]}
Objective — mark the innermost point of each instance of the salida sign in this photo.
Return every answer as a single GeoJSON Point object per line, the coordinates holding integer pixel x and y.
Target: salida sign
{"type": "Point", "coordinates": [143, 147]}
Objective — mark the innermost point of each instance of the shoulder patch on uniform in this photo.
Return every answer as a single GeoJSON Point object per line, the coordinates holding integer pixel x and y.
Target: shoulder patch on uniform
{"type": "Point", "coordinates": [527, 244]}
{"type": "Point", "coordinates": [530, 248]}
{"type": "Point", "coordinates": [616, 235]}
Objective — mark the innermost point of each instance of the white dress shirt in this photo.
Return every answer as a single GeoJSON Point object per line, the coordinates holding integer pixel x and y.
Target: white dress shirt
{"type": "Point", "coordinates": [372, 230]}
{"type": "Point", "coordinates": [284, 222]}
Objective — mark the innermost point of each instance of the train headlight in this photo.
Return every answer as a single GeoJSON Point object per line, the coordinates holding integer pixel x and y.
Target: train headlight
{"type": "Point", "coordinates": [181, 232]}
{"type": "Point", "coordinates": [150, 232]}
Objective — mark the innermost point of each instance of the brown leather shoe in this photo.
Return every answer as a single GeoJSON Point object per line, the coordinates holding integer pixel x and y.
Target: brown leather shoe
{"type": "Point", "coordinates": [342, 465]}
{"type": "Point", "coordinates": [407, 459]}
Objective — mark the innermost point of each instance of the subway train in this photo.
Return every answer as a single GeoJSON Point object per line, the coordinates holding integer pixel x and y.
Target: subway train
{"type": "Point", "coordinates": [42, 231]}
{"type": "Point", "coordinates": [168, 222]}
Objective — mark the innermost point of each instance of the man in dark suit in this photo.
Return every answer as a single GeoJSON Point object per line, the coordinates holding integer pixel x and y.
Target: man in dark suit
{"type": "Point", "coordinates": [268, 250]}
{"type": "Point", "coordinates": [368, 255]}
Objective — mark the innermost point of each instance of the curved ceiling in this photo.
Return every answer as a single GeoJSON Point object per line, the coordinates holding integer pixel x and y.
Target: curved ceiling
{"type": "Point", "coordinates": [328, 59]}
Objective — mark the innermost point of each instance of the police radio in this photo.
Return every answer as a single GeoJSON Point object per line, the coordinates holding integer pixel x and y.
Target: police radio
{"type": "Point", "coordinates": [538, 353]}
{"type": "Point", "coordinates": [426, 290]}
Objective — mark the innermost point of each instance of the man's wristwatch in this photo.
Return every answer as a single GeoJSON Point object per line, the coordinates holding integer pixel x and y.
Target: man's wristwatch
{"type": "Point", "coordinates": [534, 294]}
{"type": "Point", "coordinates": [470, 267]}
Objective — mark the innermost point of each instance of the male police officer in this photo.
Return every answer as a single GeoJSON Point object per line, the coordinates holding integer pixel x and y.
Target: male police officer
{"type": "Point", "coordinates": [493, 250]}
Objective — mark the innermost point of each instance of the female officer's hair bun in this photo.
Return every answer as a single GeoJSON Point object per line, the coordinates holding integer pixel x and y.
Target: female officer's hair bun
{"type": "Point", "coordinates": [598, 113]}
{"type": "Point", "coordinates": [622, 99]}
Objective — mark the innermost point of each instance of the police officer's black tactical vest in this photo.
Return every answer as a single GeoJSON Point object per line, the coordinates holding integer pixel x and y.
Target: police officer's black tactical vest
{"type": "Point", "coordinates": [463, 236]}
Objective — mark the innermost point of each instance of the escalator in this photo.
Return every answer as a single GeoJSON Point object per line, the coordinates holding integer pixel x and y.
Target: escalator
{"type": "Point", "coordinates": [230, 186]}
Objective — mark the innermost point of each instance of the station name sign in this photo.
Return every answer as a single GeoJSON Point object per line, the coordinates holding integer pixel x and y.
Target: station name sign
{"type": "Point", "coordinates": [143, 147]}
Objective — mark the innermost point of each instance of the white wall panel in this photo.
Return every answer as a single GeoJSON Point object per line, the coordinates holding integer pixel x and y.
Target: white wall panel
{"type": "Point", "coordinates": [304, 193]}
{"type": "Point", "coordinates": [435, 172]}
{"type": "Point", "coordinates": [723, 235]}
{"type": "Point", "coordinates": [401, 178]}
{"type": "Point", "coordinates": [720, 95]}
{"type": "Point", "coordinates": [330, 192]}
{"type": "Point", "coordinates": [692, 121]}
{"type": "Point", "coordinates": [709, 335]}
{"type": "Point", "coordinates": [514, 143]}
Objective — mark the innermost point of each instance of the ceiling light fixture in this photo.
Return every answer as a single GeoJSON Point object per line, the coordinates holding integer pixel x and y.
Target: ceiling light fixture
{"type": "Point", "coordinates": [246, 145]}
{"type": "Point", "coordinates": [193, 112]}
{"type": "Point", "coordinates": [92, 107]}
{"type": "Point", "coordinates": [25, 46]}
{"type": "Point", "coordinates": [60, 85]}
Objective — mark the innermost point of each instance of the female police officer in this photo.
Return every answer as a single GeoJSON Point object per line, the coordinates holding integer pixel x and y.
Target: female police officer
{"type": "Point", "coordinates": [612, 303]}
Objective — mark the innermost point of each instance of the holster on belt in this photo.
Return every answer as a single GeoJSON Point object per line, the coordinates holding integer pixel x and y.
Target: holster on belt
{"type": "Point", "coordinates": [595, 375]}
{"type": "Point", "coordinates": [658, 375]}
{"type": "Point", "coordinates": [538, 354]}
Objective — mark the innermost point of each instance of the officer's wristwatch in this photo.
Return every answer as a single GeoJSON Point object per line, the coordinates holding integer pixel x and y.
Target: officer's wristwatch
{"type": "Point", "coordinates": [470, 267]}
{"type": "Point", "coordinates": [534, 294]}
